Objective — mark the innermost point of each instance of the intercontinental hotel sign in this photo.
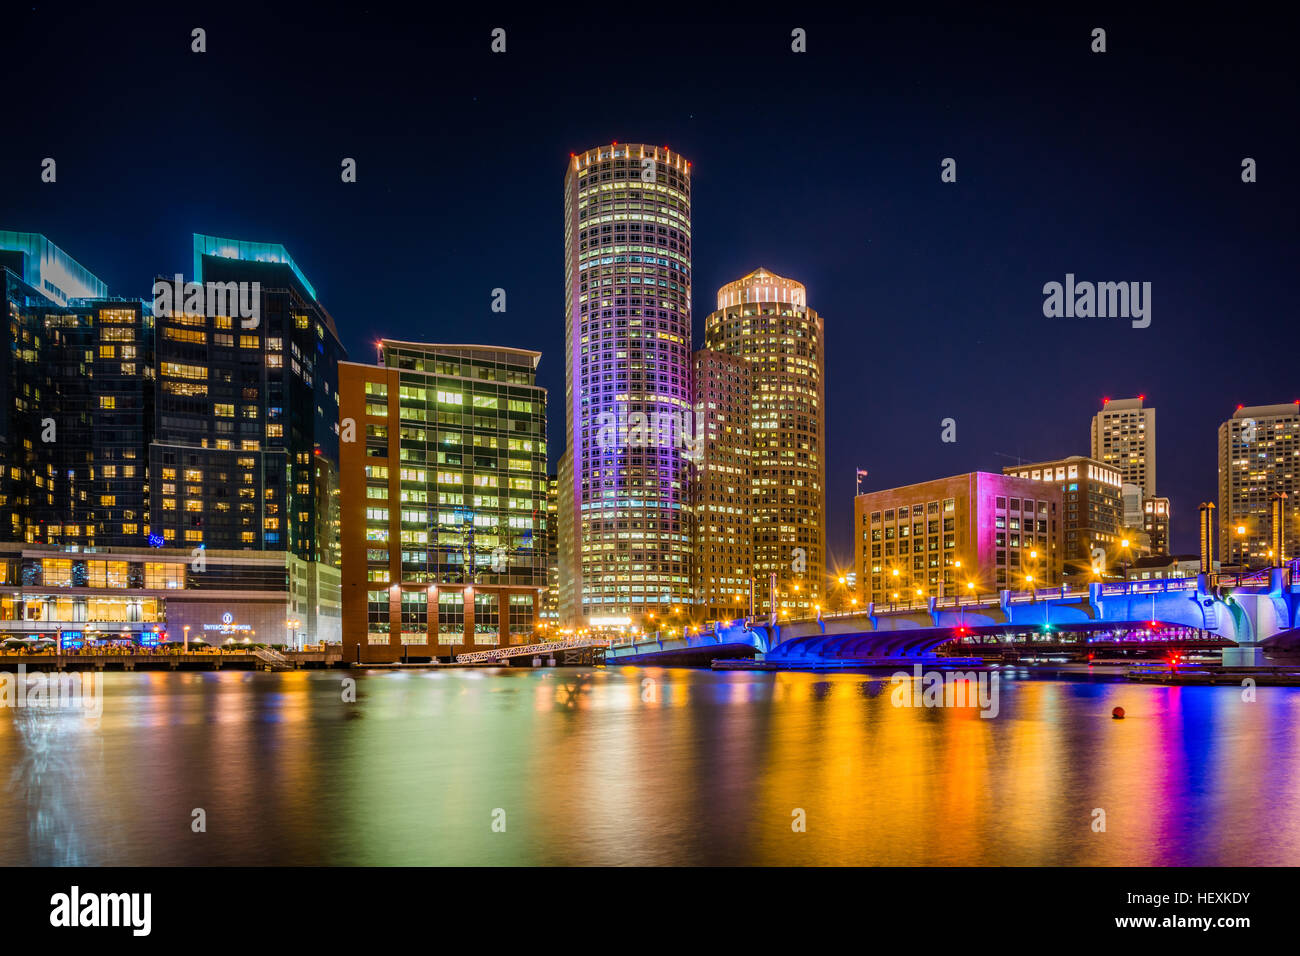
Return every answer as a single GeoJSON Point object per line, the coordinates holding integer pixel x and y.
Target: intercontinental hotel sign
{"type": "Point", "coordinates": [227, 626]}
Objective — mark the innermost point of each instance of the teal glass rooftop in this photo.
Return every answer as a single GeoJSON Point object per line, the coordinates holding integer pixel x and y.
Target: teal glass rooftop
{"type": "Point", "coordinates": [49, 269]}
{"type": "Point", "coordinates": [246, 251]}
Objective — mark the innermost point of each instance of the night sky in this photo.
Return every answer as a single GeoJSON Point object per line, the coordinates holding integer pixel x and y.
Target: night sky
{"type": "Point", "coordinates": [824, 167]}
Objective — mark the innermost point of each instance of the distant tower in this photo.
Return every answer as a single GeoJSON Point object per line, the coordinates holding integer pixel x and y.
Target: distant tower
{"type": "Point", "coordinates": [625, 533]}
{"type": "Point", "coordinates": [1124, 437]}
{"type": "Point", "coordinates": [765, 319]}
{"type": "Point", "coordinates": [1258, 448]}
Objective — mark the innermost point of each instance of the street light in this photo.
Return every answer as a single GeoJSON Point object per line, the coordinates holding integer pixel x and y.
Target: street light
{"type": "Point", "coordinates": [293, 624]}
{"type": "Point", "coordinates": [186, 630]}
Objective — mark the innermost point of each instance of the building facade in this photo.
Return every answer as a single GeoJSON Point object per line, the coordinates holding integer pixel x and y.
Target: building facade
{"type": "Point", "coordinates": [722, 512]}
{"type": "Point", "coordinates": [966, 535]}
{"type": "Point", "coordinates": [1259, 457]}
{"type": "Point", "coordinates": [1156, 513]}
{"type": "Point", "coordinates": [150, 595]}
{"type": "Point", "coordinates": [444, 486]}
{"type": "Point", "coordinates": [624, 506]}
{"type": "Point", "coordinates": [550, 613]}
{"type": "Point", "coordinates": [765, 319]}
{"type": "Point", "coordinates": [1124, 438]}
{"type": "Point", "coordinates": [1092, 510]}
{"type": "Point", "coordinates": [203, 419]}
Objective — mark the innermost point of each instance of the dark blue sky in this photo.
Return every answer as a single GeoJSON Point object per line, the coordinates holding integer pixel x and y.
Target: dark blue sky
{"type": "Point", "coordinates": [822, 166]}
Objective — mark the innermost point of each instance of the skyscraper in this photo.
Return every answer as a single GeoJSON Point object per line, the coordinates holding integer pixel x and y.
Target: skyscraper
{"type": "Point", "coordinates": [202, 422]}
{"type": "Point", "coordinates": [625, 535]}
{"type": "Point", "coordinates": [246, 450]}
{"type": "Point", "coordinates": [765, 319]}
{"type": "Point", "coordinates": [1124, 437]}
{"type": "Point", "coordinates": [1259, 456]}
{"type": "Point", "coordinates": [722, 513]}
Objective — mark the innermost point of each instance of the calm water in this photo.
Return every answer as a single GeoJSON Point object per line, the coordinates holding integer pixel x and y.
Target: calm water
{"type": "Point", "coordinates": [587, 771]}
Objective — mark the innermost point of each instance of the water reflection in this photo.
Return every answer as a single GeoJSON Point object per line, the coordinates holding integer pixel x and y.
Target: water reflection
{"type": "Point", "coordinates": [647, 766]}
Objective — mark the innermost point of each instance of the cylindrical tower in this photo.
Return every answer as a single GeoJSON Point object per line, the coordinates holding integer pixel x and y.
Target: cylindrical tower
{"type": "Point", "coordinates": [624, 516]}
{"type": "Point", "coordinates": [766, 319]}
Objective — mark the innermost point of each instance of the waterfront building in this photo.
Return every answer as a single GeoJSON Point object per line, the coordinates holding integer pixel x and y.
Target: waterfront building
{"type": "Point", "coordinates": [76, 402]}
{"type": "Point", "coordinates": [765, 319]}
{"type": "Point", "coordinates": [150, 595]}
{"type": "Point", "coordinates": [192, 425]}
{"type": "Point", "coordinates": [965, 535]}
{"type": "Point", "coordinates": [722, 513]}
{"type": "Point", "coordinates": [1259, 457]}
{"type": "Point", "coordinates": [1124, 438]}
{"type": "Point", "coordinates": [624, 504]}
{"type": "Point", "coordinates": [444, 489]}
{"type": "Point", "coordinates": [1093, 511]}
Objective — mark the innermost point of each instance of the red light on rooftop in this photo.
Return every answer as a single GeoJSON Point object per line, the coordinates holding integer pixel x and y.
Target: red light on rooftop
{"type": "Point", "coordinates": [1105, 401]}
{"type": "Point", "coordinates": [1141, 398]}
{"type": "Point", "coordinates": [1240, 407]}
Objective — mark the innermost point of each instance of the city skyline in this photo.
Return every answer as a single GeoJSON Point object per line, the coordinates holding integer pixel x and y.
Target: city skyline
{"type": "Point", "coordinates": [961, 296]}
{"type": "Point", "coordinates": [641, 438]}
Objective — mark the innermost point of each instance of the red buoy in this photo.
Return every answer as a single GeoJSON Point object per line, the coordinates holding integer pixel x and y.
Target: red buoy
{"type": "Point", "coordinates": [1118, 713]}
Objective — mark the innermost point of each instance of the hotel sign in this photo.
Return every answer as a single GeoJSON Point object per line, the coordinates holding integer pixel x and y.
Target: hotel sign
{"type": "Point", "coordinates": [227, 625]}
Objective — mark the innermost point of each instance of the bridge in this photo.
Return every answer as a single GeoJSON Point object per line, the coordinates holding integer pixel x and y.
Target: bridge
{"type": "Point", "coordinates": [573, 651]}
{"type": "Point", "coordinates": [1255, 612]}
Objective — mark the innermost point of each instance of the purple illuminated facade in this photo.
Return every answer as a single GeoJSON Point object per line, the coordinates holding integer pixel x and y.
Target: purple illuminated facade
{"type": "Point", "coordinates": [625, 536]}
{"type": "Point", "coordinates": [968, 534]}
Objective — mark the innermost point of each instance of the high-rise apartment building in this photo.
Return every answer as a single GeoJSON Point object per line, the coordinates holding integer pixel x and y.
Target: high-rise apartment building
{"type": "Point", "coordinates": [76, 403]}
{"type": "Point", "coordinates": [723, 555]}
{"type": "Point", "coordinates": [624, 508]}
{"type": "Point", "coordinates": [246, 450]}
{"type": "Point", "coordinates": [1092, 510]}
{"type": "Point", "coordinates": [1259, 457]}
{"type": "Point", "coordinates": [765, 319]}
{"type": "Point", "coordinates": [444, 485]}
{"type": "Point", "coordinates": [966, 535]}
{"type": "Point", "coordinates": [1124, 437]}
{"type": "Point", "coordinates": [202, 420]}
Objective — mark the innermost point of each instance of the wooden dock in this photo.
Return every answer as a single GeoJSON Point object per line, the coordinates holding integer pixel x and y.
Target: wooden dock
{"type": "Point", "coordinates": [267, 660]}
{"type": "Point", "coordinates": [1279, 676]}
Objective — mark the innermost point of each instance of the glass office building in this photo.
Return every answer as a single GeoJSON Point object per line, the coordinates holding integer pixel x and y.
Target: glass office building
{"type": "Point", "coordinates": [444, 489]}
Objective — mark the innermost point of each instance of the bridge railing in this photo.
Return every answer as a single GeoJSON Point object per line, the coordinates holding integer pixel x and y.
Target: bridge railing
{"type": "Point", "coordinates": [516, 650]}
